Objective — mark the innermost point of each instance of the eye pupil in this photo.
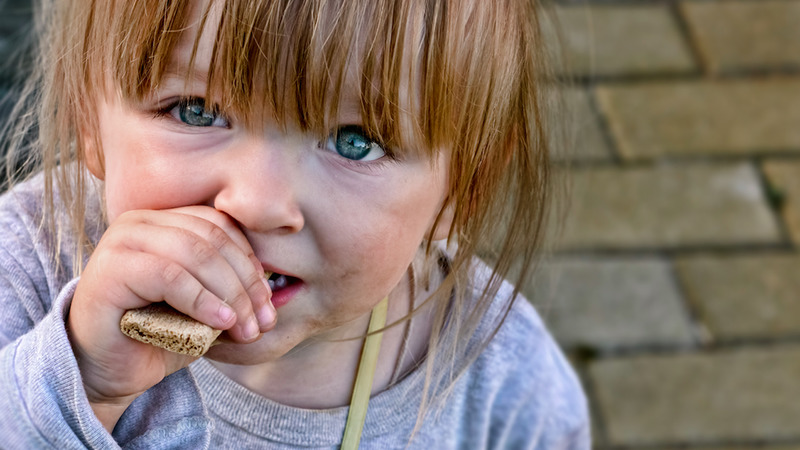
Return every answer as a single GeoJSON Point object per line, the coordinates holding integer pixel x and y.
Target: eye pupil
{"type": "Point", "coordinates": [195, 114]}
{"type": "Point", "coordinates": [352, 143]}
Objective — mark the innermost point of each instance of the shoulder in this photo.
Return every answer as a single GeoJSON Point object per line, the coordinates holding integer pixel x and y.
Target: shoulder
{"type": "Point", "coordinates": [22, 236]}
{"type": "Point", "coordinates": [36, 256]}
{"type": "Point", "coordinates": [26, 211]}
{"type": "Point", "coordinates": [522, 330]}
{"type": "Point", "coordinates": [24, 294]}
{"type": "Point", "coordinates": [22, 205]}
{"type": "Point", "coordinates": [524, 377]}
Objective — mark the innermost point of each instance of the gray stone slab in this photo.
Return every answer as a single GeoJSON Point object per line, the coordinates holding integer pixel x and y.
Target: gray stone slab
{"type": "Point", "coordinates": [622, 40]}
{"type": "Point", "coordinates": [775, 446]}
{"type": "Point", "coordinates": [720, 118]}
{"type": "Point", "coordinates": [784, 179]}
{"type": "Point", "coordinates": [743, 297]}
{"type": "Point", "coordinates": [746, 35]}
{"type": "Point", "coordinates": [738, 395]}
{"type": "Point", "coordinates": [584, 138]}
{"type": "Point", "coordinates": [611, 303]}
{"type": "Point", "coordinates": [668, 206]}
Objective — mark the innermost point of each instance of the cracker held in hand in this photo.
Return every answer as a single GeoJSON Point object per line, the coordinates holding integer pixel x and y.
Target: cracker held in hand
{"type": "Point", "coordinates": [160, 325]}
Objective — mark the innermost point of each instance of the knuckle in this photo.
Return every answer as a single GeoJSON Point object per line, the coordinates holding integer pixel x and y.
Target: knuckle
{"type": "Point", "coordinates": [129, 215]}
{"type": "Point", "coordinates": [133, 216]}
{"type": "Point", "coordinates": [172, 273]}
{"type": "Point", "coordinates": [253, 283]}
{"type": "Point", "coordinates": [199, 298]}
{"type": "Point", "coordinates": [202, 251]}
{"type": "Point", "coordinates": [224, 221]}
{"type": "Point", "coordinates": [218, 238]}
{"type": "Point", "coordinates": [240, 300]}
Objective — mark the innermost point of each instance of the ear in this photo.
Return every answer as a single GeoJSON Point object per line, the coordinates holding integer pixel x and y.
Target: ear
{"type": "Point", "coordinates": [93, 154]}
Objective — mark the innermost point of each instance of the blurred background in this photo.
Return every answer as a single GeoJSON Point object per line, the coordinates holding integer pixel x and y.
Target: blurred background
{"type": "Point", "coordinates": [15, 24]}
{"type": "Point", "coordinates": [675, 286]}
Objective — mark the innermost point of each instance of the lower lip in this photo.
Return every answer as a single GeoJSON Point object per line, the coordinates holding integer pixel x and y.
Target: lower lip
{"type": "Point", "coordinates": [285, 295]}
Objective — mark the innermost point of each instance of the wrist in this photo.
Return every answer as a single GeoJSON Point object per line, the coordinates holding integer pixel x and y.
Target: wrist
{"type": "Point", "coordinates": [108, 411]}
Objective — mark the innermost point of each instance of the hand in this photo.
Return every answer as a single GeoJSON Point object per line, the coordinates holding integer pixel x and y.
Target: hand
{"type": "Point", "coordinates": [194, 258]}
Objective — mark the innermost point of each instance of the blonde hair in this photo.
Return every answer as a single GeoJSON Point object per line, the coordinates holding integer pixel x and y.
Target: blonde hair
{"type": "Point", "coordinates": [477, 69]}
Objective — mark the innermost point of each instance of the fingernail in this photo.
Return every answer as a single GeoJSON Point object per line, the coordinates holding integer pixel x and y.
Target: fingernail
{"type": "Point", "coordinates": [251, 330]}
{"type": "Point", "coordinates": [226, 313]}
{"type": "Point", "coordinates": [266, 314]}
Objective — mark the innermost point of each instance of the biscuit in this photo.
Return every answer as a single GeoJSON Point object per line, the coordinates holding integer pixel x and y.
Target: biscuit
{"type": "Point", "coordinates": [160, 325]}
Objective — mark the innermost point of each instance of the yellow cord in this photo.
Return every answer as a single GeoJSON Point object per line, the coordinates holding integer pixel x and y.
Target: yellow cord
{"type": "Point", "coordinates": [366, 371]}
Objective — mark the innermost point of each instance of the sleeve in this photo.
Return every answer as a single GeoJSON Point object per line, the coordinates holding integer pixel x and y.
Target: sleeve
{"type": "Point", "coordinates": [551, 418]}
{"type": "Point", "coordinates": [541, 405]}
{"type": "Point", "coordinates": [42, 400]}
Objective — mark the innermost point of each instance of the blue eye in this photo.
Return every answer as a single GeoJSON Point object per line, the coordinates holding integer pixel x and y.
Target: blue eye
{"type": "Point", "coordinates": [193, 112]}
{"type": "Point", "coordinates": [353, 143]}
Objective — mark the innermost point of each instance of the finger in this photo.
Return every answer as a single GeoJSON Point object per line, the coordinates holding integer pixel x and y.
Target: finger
{"type": "Point", "coordinates": [255, 283]}
{"type": "Point", "coordinates": [206, 222]}
{"type": "Point", "coordinates": [223, 234]}
{"type": "Point", "coordinates": [214, 262]}
{"type": "Point", "coordinates": [154, 279]}
{"type": "Point", "coordinates": [200, 250]}
{"type": "Point", "coordinates": [225, 222]}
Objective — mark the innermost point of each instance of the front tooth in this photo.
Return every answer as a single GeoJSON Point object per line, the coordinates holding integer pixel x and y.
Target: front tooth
{"type": "Point", "coordinates": [281, 282]}
{"type": "Point", "coordinates": [271, 284]}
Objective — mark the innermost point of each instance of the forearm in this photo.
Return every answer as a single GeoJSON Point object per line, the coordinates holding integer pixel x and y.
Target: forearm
{"type": "Point", "coordinates": [42, 395]}
{"type": "Point", "coordinates": [44, 403]}
{"type": "Point", "coordinates": [107, 410]}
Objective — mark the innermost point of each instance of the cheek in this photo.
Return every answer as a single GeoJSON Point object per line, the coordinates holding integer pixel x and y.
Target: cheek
{"type": "Point", "coordinates": [151, 166]}
{"type": "Point", "coordinates": [386, 245]}
{"type": "Point", "coordinates": [141, 174]}
{"type": "Point", "coordinates": [131, 188]}
{"type": "Point", "coordinates": [141, 193]}
{"type": "Point", "coordinates": [132, 181]}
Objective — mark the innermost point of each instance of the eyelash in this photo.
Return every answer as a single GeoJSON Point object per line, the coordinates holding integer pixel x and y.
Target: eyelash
{"type": "Point", "coordinates": [389, 154]}
{"type": "Point", "coordinates": [357, 131]}
{"type": "Point", "coordinates": [166, 111]}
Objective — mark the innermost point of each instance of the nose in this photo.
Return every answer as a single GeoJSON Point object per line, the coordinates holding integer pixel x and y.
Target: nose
{"type": "Point", "coordinates": [259, 186]}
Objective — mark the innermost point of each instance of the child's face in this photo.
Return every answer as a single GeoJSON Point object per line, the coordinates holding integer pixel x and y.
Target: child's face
{"type": "Point", "coordinates": [344, 229]}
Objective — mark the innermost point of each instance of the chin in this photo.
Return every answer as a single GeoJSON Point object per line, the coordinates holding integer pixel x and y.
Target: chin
{"type": "Point", "coordinates": [241, 354]}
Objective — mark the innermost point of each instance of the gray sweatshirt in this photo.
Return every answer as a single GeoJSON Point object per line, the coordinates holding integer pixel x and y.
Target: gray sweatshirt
{"type": "Point", "coordinates": [520, 393]}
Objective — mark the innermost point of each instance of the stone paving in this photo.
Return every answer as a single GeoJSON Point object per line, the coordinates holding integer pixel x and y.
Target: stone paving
{"type": "Point", "coordinates": [674, 287]}
{"type": "Point", "coordinates": [676, 283]}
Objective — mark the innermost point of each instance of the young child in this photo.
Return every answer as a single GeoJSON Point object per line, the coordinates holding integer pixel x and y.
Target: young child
{"type": "Point", "coordinates": [355, 151]}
